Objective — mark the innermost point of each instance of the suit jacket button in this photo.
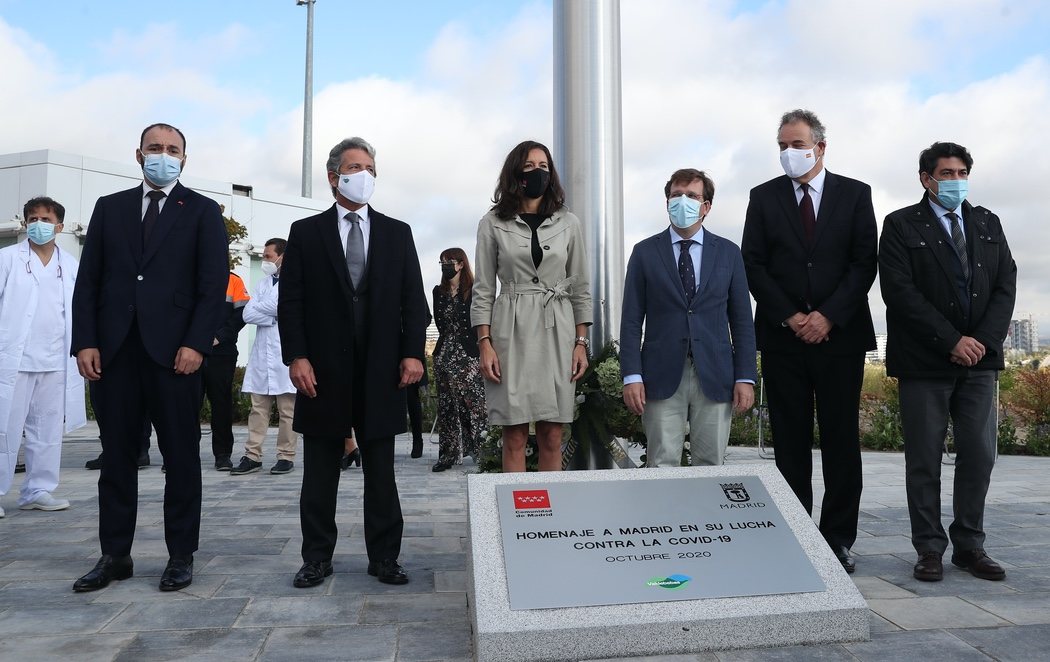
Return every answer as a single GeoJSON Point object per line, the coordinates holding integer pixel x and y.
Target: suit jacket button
{"type": "Point", "coordinates": [535, 279]}
{"type": "Point", "coordinates": [546, 248]}
{"type": "Point", "coordinates": [131, 309]}
{"type": "Point", "coordinates": [809, 264]}
{"type": "Point", "coordinates": [355, 298]}
{"type": "Point", "coordinates": [139, 277]}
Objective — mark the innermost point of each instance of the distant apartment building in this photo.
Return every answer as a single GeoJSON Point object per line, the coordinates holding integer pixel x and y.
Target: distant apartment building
{"type": "Point", "coordinates": [877, 355]}
{"type": "Point", "coordinates": [1023, 336]}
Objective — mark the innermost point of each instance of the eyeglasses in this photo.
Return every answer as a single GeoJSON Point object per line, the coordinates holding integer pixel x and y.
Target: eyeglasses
{"type": "Point", "coordinates": [34, 219]}
{"type": "Point", "coordinates": [448, 262]}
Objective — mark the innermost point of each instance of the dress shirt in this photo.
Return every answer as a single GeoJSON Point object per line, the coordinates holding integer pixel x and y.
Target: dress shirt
{"type": "Point", "coordinates": [146, 188]}
{"type": "Point", "coordinates": [942, 215]}
{"type": "Point", "coordinates": [816, 189]}
{"type": "Point", "coordinates": [344, 225]}
{"type": "Point", "coordinates": [696, 250]}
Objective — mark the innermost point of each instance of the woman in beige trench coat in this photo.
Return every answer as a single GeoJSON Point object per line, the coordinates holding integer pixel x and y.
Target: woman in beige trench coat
{"type": "Point", "coordinates": [532, 336]}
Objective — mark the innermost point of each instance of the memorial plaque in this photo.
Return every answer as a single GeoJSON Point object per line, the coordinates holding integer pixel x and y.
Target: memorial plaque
{"type": "Point", "coordinates": [575, 544]}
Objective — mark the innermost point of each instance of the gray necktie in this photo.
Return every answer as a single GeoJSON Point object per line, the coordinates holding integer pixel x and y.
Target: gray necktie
{"type": "Point", "coordinates": [355, 249]}
{"type": "Point", "coordinates": [959, 242]}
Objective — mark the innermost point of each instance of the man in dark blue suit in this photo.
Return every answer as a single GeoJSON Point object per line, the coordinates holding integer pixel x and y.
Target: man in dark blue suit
{"type": "Point", "coordinates": [697, 362]}
{"type": "Point", "coordinates": [148, 298]}
{"type": "Point", "coordinates": [809, 246]}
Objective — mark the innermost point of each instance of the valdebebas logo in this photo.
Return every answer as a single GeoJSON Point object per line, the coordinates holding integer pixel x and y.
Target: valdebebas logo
{"type": "Point", "coordinates": [673, 582]}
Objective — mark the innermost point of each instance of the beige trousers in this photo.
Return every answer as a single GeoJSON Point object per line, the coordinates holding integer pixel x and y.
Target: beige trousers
{"type": "Point", "coordinates": [259, 423]}
{"type": "Point", "coordinates": [665, 425]}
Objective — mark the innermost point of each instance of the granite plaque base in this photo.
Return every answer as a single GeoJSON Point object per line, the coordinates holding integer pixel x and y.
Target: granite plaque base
{"type": "Point", "coordinates": [836, 614]}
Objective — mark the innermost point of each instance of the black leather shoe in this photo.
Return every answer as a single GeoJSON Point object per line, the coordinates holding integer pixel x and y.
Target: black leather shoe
{"type": "Point", "coordinates": [979, 565]}
{"type": "Point", "coordinates": [388, 571]}
{"type": "Point", "coordinates": [353, 457]}
{"type": "Point", "coordinates": [106, 570]}
{"type": "Point", "coordinates": [178, 574]}
{"type": "Point", "coordinates": [929, 567]}
{"type": "Point", "coordinates": [443, 465]}
{"type": "Point", "coordinates": [223, 463]}
{"type": "Point", "coordinates": [417, 447]}
{"type": "Point", "coordinates": [842, 554]}
{"type": "Point", "coordinates": [312, 573]}
{"type": "Point", "coordinates": [94, 465]}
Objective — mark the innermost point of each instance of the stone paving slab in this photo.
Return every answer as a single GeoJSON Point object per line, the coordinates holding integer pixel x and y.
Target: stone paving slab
{"type": "Point", "coordinates": [242, 605]}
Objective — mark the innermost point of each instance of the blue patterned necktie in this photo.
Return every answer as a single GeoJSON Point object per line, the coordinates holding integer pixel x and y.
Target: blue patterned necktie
{"type": "Point", "coordinates": [685, 268]}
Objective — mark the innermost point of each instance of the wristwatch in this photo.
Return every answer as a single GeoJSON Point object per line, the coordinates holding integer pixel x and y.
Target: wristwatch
{"type": "Point", "coordinates": [583, 340]}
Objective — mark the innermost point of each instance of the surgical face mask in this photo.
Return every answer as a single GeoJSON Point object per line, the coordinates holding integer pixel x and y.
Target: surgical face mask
{"type": "Point", "coordinates": [161, 169]}
{"type": "Point", "coordinates": [40, 232]}
{"type": "Point", "coordinates": [534, 182]}
{"type": "Point", "coordinates": [269, 268]}
{"type": "Point", "coordinates": [951, 192]}
{"type": "Point", "coordinates": [357, 187]}
{"type": "Point", "coordinates": [797, 162]}
{"type": "Point", "coordinates": [683, 211]}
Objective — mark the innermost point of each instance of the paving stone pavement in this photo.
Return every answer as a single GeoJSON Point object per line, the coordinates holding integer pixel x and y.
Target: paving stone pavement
{"type": "Point", "coordinates": [242, 605]}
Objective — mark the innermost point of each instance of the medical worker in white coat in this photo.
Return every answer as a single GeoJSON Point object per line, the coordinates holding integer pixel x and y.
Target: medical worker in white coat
{"type": "Point", "coordinates": [41, 390]}
{"type": "Point", "coordinates": [266, 377]}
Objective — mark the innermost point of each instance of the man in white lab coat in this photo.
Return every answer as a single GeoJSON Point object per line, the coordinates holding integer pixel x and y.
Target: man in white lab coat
{"type": "Point", "coordinates": [266, 378]}
{"type": "Point", "coordinates": [41, 390]}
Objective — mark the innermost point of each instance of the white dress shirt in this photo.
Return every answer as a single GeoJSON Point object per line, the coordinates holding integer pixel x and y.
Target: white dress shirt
{"type": "Point", "coordinates": [146, 188]}
{"type": "Point", "coordinates": [344, 225]}
{"type": "Point", "coordinates": [816, 189]}
{"type": "Point", "coordinates": [942, 215]}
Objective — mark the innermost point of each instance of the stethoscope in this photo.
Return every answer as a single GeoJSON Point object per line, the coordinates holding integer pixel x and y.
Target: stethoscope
{"type": "Point", "coordinates": [29, 268]}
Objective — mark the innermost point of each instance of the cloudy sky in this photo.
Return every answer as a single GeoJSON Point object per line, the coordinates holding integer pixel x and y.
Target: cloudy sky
{"type": "Point", "coordinates": [445, 89]}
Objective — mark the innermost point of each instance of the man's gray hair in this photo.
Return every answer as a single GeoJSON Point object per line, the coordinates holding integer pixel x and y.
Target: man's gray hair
{"type": "Point", "coordinates": [807, 117]}
{"type": "Point", "coordinates": [336, 155]}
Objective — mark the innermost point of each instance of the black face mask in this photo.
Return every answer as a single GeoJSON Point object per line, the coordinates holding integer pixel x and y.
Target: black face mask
{"type": "Point", "coordinates": [534, 183]}
{"type": "Point", "coordinates": [448, 271]}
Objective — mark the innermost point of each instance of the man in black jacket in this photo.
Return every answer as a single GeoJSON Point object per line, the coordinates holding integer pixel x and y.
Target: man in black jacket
{"type": "Point", "coordinates": [353, 317]}
{"type": "Point", "coordinates": [809, 249]}
{"type": "Point", "coordinates": [949, 283]}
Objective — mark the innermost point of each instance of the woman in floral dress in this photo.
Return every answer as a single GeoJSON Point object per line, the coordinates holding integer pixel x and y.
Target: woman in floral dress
{"type": "Point", "coordinates": [461, 414]}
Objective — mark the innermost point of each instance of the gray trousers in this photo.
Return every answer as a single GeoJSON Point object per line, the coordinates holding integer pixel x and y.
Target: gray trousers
{"type": "Point", "coordinates": [664, 423]}
{"type": "Point", "coordinates": [926, 406]}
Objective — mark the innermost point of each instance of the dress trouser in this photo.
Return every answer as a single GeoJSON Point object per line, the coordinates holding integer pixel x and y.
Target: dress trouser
{"type": "Point", "coordinates": [96, 406]}
{"type": "Point", "coordinates": [317, 501]}
{"type": "Point", "coordinates": [664, 422]}
{"type": "Point", "coordinates": [37, 407]}
{"type": "Point", "coordinates": [259, 423]}
{"type": "Point", "coordinates": [793, 381]}
{"type": "Point", "coordinates": [926, 406]}
{"type": "Point", "coordinates": [217, 379]}
{"type": "Point", "coordinates": [134, 388]}
{"type": "Point", "coordinates": [415, 411]}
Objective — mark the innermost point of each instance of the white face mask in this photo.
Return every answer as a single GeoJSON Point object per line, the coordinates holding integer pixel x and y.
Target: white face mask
{"type": "Point", "coordinates": [269, 268]}
{"type": "Point", "coordinates": [357, 187]}
{"type": "Point", "coordinates": [797, 162]}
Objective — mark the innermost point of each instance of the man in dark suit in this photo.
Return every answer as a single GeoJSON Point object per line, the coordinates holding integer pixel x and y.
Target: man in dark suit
{"type": "Point", "coordinates": [352, 315]}
{"type": "Point", "coordinates": [148, 299]}
{"type": "Point", "coordinates": [809, 247]}
{"type": "Point", "coordinates": [697, 364]}
{"type": "Point", "coordinates": [949, 283]}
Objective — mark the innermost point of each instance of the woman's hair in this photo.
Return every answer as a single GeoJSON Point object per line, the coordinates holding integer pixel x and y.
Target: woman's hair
{"type": "Point", "coordinates": [508, 197]}
{"type": "Point", "coordinates": [466, 276]}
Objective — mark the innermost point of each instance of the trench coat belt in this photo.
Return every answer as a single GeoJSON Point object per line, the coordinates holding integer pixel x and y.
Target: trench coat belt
{"type": "Point", "coordinates": [559, 290]}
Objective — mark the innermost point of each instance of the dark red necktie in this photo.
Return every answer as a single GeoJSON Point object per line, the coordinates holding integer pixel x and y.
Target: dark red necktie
{"type": "Point", "coordinates": [809, 217]}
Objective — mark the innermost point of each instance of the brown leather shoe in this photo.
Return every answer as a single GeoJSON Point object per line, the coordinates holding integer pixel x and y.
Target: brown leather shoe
{"type": "Point", "coordinates": [978, 564]}
{"type": "Point", "coordinates": [929, 568]}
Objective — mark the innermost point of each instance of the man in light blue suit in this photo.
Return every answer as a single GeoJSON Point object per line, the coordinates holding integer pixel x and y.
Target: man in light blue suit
{"type": "Point", "coordinates": [697, 362]}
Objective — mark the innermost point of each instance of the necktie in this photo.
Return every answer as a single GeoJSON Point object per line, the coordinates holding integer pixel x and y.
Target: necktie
{"type": "Point", "coordinates": [152, 212]}
{"type": "Point", "coordinates": [355, 249]}
{"type": "Point", "coordinates": [809, 217]}
{"type": "Point", "coordinates": [685, 268]}
{"type": "Point", "coordinates": [959, 241]}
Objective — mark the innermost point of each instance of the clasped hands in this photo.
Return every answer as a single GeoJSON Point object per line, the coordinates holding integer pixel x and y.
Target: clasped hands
{"type": "Point", "coordinates": [812, 328]}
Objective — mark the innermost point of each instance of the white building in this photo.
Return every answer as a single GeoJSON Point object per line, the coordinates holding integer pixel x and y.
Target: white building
{"type": "Point", "coordinates": [877, 355]}
{"type": "Point", "coordinates": [1023, 336]}
{"type": "Point", "coordinates": [78, 181]}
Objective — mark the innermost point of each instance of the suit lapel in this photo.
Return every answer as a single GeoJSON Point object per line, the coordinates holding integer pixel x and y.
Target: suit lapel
{"type": "Point", "coordinates": [329, 231]}
{"type": "Point", "coordinates": [666, 251]}
{"type": "Point", "coordinates": [132, 219]}
{"type": "Point", "coordinates": [707, 261]}
{"type": "Point", "coordinates": [829, 199]}
{"type": "Point", "coordinates": [173, 207]}
{"type": "Point", "coordinates": [786, 197]}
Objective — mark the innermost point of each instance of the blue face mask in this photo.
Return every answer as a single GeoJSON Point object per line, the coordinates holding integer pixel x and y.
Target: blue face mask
{"type": "Point", "coordinates": [40, 232]}
{"type": "Point", "coordinates": [951, 192]}
{"type": "Point", "coordinates": [161, 169]}
{"type": "Point", "coordinates": [683, 211]}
